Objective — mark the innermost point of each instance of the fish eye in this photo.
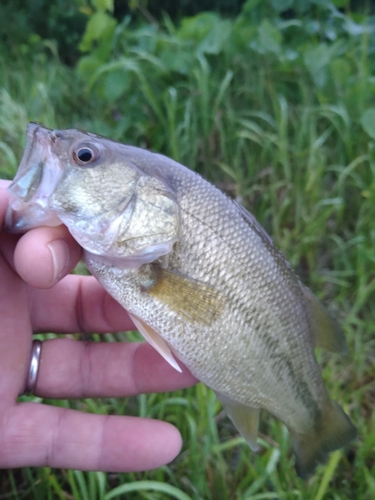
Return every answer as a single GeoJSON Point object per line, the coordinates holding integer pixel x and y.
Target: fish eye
{"type": "Point", "coordinates": [84, 155]}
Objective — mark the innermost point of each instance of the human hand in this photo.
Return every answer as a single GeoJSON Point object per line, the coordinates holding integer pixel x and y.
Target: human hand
{"type": "Point", "coordinates": [37, 295]}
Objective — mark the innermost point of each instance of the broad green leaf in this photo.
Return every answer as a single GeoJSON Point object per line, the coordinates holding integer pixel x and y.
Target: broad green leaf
{"type": "Point", "coordinates": [317, 59]}
{"type": "Point", "coordinates": [97, 25]}
{"type": "Point", "coordinates": [341, 71]}
{"type": "Point", "coordinates": [303, 6]}
{"type": "Point", "coordinates": [341, 3]}
{"type": "Point", "coordinates": [103, 5]}
{"type": "Point", "coordinates": [116, 83]}
{"type": "Point", "coordinates": [270, 37]}
{"type": "Point", "coordinates": [87, 66]}
{"type": "Point", "coordinates": [368, 122]}
{"type": "Point", "coordinates": [250, 5]}
{"type": "Point", "coordinates": [121, 65]}
{"type": "Point", "coordinates": [177, 59]}
{"type": "Point", "coordinates": [197, 27]}
{"type": "Point", "coordinates": [217, 37]}
{"type": "Point", "coordinates": [282, 5]}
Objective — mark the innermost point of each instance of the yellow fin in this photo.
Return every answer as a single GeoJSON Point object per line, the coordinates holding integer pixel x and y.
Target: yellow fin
{"type": "Point", "coordinates": [245, 419]}
{"type": "Point", "coordinates": [156, 341]}
{"type": "Point", "coordinates": [191, 299]}
{"type": "Point", "coordinates": [327, 332]}
{"type": "Point", "coordinates": [333, 432]}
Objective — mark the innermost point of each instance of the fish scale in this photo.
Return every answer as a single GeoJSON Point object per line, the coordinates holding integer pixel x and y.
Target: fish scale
{"type": "Point", "coordinates": [200, 277]}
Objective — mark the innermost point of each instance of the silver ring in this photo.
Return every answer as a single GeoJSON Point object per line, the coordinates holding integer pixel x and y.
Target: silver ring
{"type": "Point", "coordinates": [32, 376]}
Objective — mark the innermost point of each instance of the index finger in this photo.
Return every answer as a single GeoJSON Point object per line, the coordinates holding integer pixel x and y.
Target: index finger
{"type": "Point", "coordinates": [77, 304]}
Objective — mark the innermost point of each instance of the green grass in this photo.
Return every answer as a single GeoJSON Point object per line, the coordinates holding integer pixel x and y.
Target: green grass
{"type": "Point", "coordinates": [276, 117]}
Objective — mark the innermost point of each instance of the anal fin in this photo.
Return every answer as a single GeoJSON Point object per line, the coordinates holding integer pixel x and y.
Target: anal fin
{"type": "Point", "coordinates": [156, 341]}
{"type": "Point", "coordinates": [245, 419]}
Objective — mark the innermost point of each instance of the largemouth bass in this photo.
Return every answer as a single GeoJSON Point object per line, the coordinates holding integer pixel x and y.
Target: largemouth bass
{"type": "Point", "coordinates": [199, 276]}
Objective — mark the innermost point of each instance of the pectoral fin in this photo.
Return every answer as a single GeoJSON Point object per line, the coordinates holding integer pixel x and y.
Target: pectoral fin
{"type": "Point", "coordinates": [326, 331]}
{"type": "Point", "coordinates": [156, 341]}
{"type": "Point", "coordinates": [245, 418]}
{"type": "Point", "coordinates": [192, 299]}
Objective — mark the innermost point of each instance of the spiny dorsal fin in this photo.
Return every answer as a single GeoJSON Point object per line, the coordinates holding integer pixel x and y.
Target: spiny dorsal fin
{"type": "Point", "coordinates": [327, 332]}
{"type": "Point", "coordinates": [156, 341]}
{"type": "Point", "coordinates": [192, 299]}
{"type": "Point", "coordinates": [245, 419]}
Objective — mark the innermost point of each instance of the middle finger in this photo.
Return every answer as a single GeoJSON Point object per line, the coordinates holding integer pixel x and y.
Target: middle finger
{"type": "Point", "coordinates": [77, 304]}
{"type": "Point", "coordinates": [74, 369]}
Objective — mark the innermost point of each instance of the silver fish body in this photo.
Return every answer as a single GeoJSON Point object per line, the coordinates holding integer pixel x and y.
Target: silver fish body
{"type": "Point", "coordinates": [200, 277]}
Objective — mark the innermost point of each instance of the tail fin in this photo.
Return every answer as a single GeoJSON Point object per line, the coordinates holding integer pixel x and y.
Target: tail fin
{"type": "Point", "coordinates": [335, 431]}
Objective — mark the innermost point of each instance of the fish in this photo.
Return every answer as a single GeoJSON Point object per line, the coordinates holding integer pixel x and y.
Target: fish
{"type": "Point", "coordinates": [199, 276]}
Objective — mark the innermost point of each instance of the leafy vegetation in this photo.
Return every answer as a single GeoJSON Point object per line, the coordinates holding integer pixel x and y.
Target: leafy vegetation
{"type": "Point", "coordinates": [276, 106]}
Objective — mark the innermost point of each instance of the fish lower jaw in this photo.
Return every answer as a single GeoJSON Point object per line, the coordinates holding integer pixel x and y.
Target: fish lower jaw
{"type": "Point", "coordinates": [21, 219]}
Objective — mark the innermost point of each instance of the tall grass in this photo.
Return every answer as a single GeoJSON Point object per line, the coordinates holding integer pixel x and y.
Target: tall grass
{"type": "Point", "coordinates": [277, 112]}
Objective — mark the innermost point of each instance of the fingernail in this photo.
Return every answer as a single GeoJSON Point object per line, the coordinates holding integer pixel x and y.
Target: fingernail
{"type": "Point", "coordinates": [60, 258]}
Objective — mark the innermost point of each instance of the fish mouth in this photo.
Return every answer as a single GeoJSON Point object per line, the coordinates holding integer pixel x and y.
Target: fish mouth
{"type": "Point", "coordinates": [20, 218]}
{"type": "Point", "coordinates": [33, 184]}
